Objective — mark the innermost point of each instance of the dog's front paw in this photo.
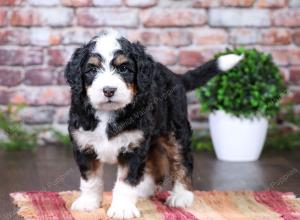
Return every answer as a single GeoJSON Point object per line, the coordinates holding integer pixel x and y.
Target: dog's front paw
{"type": "Point", "coordinates": [123, 210]}
{"type": "Point", "coordinates": [180, 199]}
{"type": "Point", "coordinates": [86, 203]}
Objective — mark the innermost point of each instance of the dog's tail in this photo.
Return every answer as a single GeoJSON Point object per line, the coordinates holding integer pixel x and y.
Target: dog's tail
{"type": "Point", "coordinates": [199, 76]}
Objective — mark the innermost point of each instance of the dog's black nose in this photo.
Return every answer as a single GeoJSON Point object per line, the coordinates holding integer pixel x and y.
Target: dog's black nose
{"type": "Point", "coordinates": [109, 91]}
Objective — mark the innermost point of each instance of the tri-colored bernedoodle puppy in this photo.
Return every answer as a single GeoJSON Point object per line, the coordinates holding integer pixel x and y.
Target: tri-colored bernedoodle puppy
{"type": "Point", "coordinates": [130, 110]}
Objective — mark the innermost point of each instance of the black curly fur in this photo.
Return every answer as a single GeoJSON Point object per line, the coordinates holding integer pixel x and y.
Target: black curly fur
{"type": "Point", "coordinates": [159, 107]}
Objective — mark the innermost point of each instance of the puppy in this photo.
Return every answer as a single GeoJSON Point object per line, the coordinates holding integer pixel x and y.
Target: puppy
{"type": "Point", "coordinates": [130, 110]}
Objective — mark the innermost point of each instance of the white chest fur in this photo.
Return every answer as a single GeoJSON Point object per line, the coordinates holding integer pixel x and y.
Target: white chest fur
{"type": "Point", "coordinates": [106, 149]}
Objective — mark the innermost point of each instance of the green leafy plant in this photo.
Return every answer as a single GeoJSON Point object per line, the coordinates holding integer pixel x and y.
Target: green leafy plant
{"type": "Point", "coordinates": [253, 88]}
{"type": "Point", "coordinates": [284, 131]}
{"type": "Point", "coordinates": [201, 141]}
{"type": "Point", "coordinates": [17, 137]}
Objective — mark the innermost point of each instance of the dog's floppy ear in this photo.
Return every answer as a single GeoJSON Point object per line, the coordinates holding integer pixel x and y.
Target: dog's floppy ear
{"type": "Point", "coordinates": [145, 67]}
{"type": "Point", "coordinates": [73, 70]}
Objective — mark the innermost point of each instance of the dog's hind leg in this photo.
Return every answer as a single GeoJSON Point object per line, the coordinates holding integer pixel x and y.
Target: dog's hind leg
{"type": "Point", "coordinates": [180, 171]}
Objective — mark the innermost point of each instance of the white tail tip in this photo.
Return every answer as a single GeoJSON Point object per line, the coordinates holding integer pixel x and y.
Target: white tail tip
{"type": "Point", "coordinates": [226, 62]}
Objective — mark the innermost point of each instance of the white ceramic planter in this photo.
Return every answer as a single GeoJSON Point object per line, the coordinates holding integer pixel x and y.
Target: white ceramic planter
{"type": "Point", "coordinates": [237, 139]}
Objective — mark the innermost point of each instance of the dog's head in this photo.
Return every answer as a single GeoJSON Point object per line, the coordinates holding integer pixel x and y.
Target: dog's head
{"type": "Point", "coordinates": [109, 71]}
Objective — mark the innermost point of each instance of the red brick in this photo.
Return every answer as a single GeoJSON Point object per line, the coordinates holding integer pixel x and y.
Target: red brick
{"type": "Point", "coordinates": [40, 27]}
{"type": "Point", "coordinates": [296, 96]}
{"type": "Point", "coordinates": [239, 17]}
{"type": "Point", "coordinates": [54, 39]}
{"type": "Point", "coordinates": [61, 77]}
{"type": "Point", "coordinates": [287, 98]}
{"type": "Point", "coordinates": [45, 3]}
{"type": "Point", "coordinates": [285, 56]}
{"type": "Point", "coordinates": [276, 37]}
{"type": "Point", "coordinates": [140, 3]}
{"type": "Point", "coordinates": [99, 17]}
{"type": "Point", "coordinates": [105, 3]}
{"type": "Point", "coordinates": [77, 35]}
{"type": "Point", "coordinates": [58, 57]}
{"type": "Point", "coordinates": [40, 76]}
{"type": "Point", "coordinates": [238, 3]}
{"type": "Point", "coordinates": [57, 17]}
{"type": "Point", "coordinates": [206, 54]}
{"type": "Point", "coordinates": [76, 3]}
{"type": "Point", "coordinates": [190, 58]}
{"type": "Point", "coordinates": [209, 53]}
{"type": "Point", "coordinates": [173, 18]}
{"type": "Point", "coordinates": [4, 96]}
{"type": "Point", "coordinates": [294, 3]}
{"type": "Point", "coordinates": [271, 3]}
{"type": "Point", "coordinates": [296, 37]}
{"type": "Point", "coordinates": [3, 17]}
{"type": "Point", "coordinates": [10, 77]}
{"type": "Point", "coordinates": [11, 2]}
{"type": "Point", "coordinates": [26, 17]}
{"type": "Point", "coordinates": [177, 69]}
{"type": "Point", "coordinates": [37, 115]}
{"type": "Point", "coordinates": [165, 56]}
{"type": "Point", "coordinates": [284, 73]}
{"type": "Point", "coordinates": [42, 36]}
{"type": "Point", "coordinates": [51, 95]}
{"type": "Point", "coordinates": [243, 36]}
{"type": "Point", "coordinates": [287, 17]}
{"type": "Point", "coordinates": [176, 38]}
{"type": "Point", "coordinates": [210, 36]}
{"type": "Point", "coordinates": [297, 110]}
{"type": "Point", "coordinates": [294, 56]}
{"type": "Point", "coordinates": [206, 3]}
{"type": "Point", "coordinates": [14, 36]}
{"type": "Point", "coordinates": [145, 37]}
{"type": "Point", "coordinates": [295, 75]}
{"type": "Point", "coordinates": [62, 115]}
{"type": "Point", "coordinates": [280, 55]}
{"type": "Point", "coordinates": [30, 56]}
{"type": "Point", "coordinates": [42, 16]}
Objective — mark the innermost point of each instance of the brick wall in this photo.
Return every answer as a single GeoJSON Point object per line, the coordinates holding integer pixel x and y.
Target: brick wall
{"type": "Point", "coordinates": [38, 36]}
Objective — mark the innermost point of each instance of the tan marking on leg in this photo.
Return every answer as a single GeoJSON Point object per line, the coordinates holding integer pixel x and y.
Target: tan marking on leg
{"type": "Point", "coordinates": [177, 170]}
{"type": "Point", "coordinates": [96, 164]}
{"type": "Point", "coordinates": [157, 163]}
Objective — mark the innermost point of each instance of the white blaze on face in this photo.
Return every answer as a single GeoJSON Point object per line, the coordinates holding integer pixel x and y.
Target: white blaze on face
{"type": "Point", "coordinates": [106, 45]}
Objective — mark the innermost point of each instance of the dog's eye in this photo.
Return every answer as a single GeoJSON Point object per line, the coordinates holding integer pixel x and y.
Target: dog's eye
{"type": "Point", "coordinates": [91, 67]}
{"type": "Point", "coordinates": [123, 69]}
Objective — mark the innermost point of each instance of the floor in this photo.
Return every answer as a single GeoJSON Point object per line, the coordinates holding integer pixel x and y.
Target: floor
{"type": "Point", "coordinates": [52, 168]}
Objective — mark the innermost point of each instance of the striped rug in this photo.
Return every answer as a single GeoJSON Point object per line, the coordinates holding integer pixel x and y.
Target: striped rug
{"type": "Point", "coordinates": [212, 205]}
